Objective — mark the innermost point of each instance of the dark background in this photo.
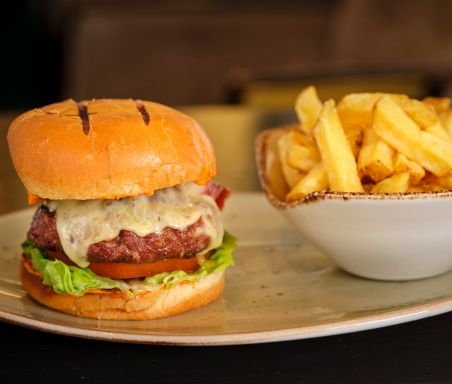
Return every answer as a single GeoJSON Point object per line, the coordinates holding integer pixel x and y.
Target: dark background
{"type": "Point", "coordinates": [215, 51]}
{"type": "Point", "coordinates": [407, 353]}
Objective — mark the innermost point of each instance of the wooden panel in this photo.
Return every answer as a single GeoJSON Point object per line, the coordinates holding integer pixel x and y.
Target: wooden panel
{"type": "Point", "coordinates": [184, 58]}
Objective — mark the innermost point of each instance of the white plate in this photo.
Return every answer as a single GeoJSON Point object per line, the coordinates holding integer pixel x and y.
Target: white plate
{"type": "Point", "coordinates": [280, 289]}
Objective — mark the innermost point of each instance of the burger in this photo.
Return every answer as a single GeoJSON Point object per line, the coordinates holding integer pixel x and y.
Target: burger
{"type": "Point", "coordinates": [128, 218]}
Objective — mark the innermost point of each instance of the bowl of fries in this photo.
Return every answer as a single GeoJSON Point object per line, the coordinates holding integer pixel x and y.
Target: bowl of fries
{"type": "Point", "coordinates": [368, 180]}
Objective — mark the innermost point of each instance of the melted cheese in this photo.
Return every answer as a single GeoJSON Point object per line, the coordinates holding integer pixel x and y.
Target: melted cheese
{"type": "Point", "coordinates": [81, 223]}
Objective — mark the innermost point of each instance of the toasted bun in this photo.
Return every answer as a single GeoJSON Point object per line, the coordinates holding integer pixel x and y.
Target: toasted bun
{"type": "Point", "coordinates": [116, 305]}
{"type": "Point", "coordinates": [108, 149]}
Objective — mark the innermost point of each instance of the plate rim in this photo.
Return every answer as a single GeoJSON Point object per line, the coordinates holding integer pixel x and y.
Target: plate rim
{"type": "Point", "coordinates": [369, 322]}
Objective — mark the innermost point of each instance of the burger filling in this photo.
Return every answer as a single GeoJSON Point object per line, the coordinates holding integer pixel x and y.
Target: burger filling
{"type": "Point", "coordinates": [127, 246]}
{"type": "Point", "coordinates": [176, 231]}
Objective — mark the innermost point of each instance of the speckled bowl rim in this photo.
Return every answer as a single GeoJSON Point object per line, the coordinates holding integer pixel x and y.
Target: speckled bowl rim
{"type": "Point", "coordinates": [260, 150]}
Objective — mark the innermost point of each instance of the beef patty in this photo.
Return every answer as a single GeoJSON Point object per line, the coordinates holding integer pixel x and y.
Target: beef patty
{"type": "Point", "coordinates": [127, 247]}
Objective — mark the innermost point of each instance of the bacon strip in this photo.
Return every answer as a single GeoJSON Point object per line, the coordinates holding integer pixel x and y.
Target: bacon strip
{"type": "Point", "coordinates": [217, 192]}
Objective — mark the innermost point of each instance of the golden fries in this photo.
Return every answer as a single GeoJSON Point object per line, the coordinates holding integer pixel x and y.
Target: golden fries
{"type": "Point", "coordinates": [291, 175]}
{"type": "Point", "coordinates": [403, 164]}
{"type": "Point", "coordinates": [443, 107]}
{"type": "Point", "coordinates": [336, 152]}
{"type": "Point", "coordinates": [373, 142]}
{"type": "Point", "coordinates": [356, 109]}
{"type": "Point", "coordinates": [423, 114]}
{"type": "Point", "coordinates": [308, 107]}
{"type": "Point", "coordinates": [440, 104]}
{"type": "Point", "coordinates": [302, 152]}
{"type": "Point", "coordinates": [445, 182]}
{"type": "Point", "coordinates": [397, 183]}
{"type": "Point", "coordinates": [315, 180]}
{"type": "Point", "coordinates": [446, 121]}
{"type": "Point", "coordinates": [394, 126]}
{"type": "Point", "coordinates": [375, 158]}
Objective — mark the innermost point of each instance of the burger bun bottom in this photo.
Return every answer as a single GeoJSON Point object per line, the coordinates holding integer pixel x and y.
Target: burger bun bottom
{"type": "Point", "coordinates": [118, 305]}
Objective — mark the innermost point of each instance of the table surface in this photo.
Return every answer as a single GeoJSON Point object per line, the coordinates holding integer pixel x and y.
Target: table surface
{"type": "Point", "coordinates": [415, 352]}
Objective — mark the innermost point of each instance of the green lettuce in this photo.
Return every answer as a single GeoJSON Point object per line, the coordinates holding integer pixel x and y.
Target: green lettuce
{"type": "Point", "coordinates": [74, 280]}
{"type": "Point", "coordinates": [65, 278]}
{"type": "Point", "coordinates": [218, 262]}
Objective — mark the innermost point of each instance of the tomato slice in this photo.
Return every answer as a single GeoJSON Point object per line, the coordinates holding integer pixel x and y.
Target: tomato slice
{"type": "Point", "coordinates": [132, 271]}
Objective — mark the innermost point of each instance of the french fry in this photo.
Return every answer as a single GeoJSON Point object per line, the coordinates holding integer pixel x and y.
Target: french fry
{"type": "Point", "coordinates": [443, 107]}
{"type": "Point", "coordinates": [375, 157]}
{"type": "Point", "coordinates": [298, 137]}
{"type": "Point", "coordinates": [315, 180]}
{"type": "Point", "coordinates": [446, 121]}
{"type": "Point", "coordinates": [432, 183]}
{"type": "Point", "coordinates": [397, 183]}
{"type": "Point", "coordinates": [291, 175]}
{"type": "Point", "coordinates": [355, 138]}
{"type": "Point", "coordinates": [302, 152]}
{"type": "Point", "coordinates": [355, 109]}
{"type": "Point", "coordinates": [445, 181]}
{"type": "Point", "coordinates": [415, 188]}
{"type": "Point", "coordinates": [441, 151]}
{"type": "Point", "coordinates": [394, 126]}
{"type": "Point", "coordinates": [303, 158]}
{"type": "Point", "coordinates": [423, 114]}
{"type": "Point", "coordinates": [355, 112]}
{"type": "Point", "coordinates": [403, 164]}
{"type": "Point", "coordinates": [308, 107]}
{"type": "Point", "coordinates": [439, 131]}
{"type": "Point", "coordinates": [440, 104]}
{"type": "Point", "coordinates": [335, 151]}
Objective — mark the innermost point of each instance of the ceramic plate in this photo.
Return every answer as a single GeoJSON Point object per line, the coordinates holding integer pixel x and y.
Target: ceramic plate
{"type": "Point", "coordinates": [280, 289]}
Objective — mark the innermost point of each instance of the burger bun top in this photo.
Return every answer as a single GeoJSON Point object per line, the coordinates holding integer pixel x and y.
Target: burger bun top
{"type": "Point", "coordinates": [108, 149]}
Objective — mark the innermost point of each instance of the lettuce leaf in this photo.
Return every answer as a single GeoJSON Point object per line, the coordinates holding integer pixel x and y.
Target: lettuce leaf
{"type": "Point", "coordinates": [64, 278]}
{"type": "Point", "coordinates": [218, 262]}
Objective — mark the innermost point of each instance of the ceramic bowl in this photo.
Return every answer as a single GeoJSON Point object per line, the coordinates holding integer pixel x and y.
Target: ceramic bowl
{"type": "Point", "coordinates": [400, 236]}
